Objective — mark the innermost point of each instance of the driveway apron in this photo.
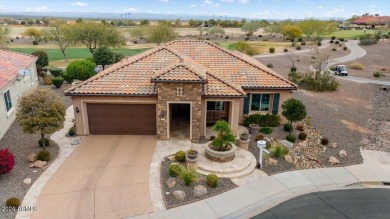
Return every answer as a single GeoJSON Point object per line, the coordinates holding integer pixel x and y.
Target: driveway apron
{"type": "Point", "coordinates": [105, 177]}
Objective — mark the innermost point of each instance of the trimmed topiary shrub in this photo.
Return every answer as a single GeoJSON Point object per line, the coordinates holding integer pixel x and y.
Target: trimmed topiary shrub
{"type": "Point", "coordinates": [302, 136]}
{"type": "Point", "coordinates": [174, 170]}
{"type": "Point", "coordinates": [324, 141]}
{"type": "Point", "coordinates": [13, 202]}
{"type": "Point", "coordinates": [291, 138]}
{"type": "Point", "coordinates": [287, 127]}
{"type": "Point", "coordinates": [44, 156]}
{"type": "Point", "coordinates": [7, 161]}
{"type": "Point", "coordinates": [180, 156]}
{"type": "Point", "coordinates": [57, 81]}
{"type": "Point", "coordinates": [270, 65]}
{"type": "Point", "coordinates": [42, 60]}
{"type": "Point", "coordinates": [47, 142]}
{"type": "Point", "coordinates": [56, 72]}
{"type": "Point", "coordinates": [293, 69]}
{"type": "Point", "coordinates": [212, 180]}
{"type": "Point", "coordinates": [66, 77]}
{"type": "Point", "coordinates": [262, 120]}
{"type": "Point", "coordinates": [272, 50]}
{"type": "Point", "coordinates": [81, 70]}
{"type": "Point", "coordinates": [265, 130]}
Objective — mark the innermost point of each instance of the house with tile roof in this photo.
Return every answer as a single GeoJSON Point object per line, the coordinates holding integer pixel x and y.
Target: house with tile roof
{"type": "Point", "coordinates": [18, 74]}
{"type": "Point", "coordinates": [183, 85]}
{"type": "Point", "coordinates": [373, 22]}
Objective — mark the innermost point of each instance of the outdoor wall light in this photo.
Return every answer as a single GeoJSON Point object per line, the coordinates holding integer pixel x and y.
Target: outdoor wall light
{"type": "Point", "coordinates": [179, 91]}
{"type": "Point", "coordinates": [162, 114]}
{"type": "Point", "coordinates": [77, 110]}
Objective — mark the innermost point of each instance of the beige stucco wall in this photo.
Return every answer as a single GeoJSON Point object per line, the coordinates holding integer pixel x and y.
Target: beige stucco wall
{"type": "Point", "coordinates": [17, 89]}
{"type": "Point", "coordinates": [80, 102]}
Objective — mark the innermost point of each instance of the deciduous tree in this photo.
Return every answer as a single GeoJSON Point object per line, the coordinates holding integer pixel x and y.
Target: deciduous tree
{"type": "Point", "coordinates": [36, 33]}
{"type": "Point", "coordinates": [294, 110]}
{"type": "Point", "coordinates": [60, 34]}
{"type": "Point", "coordinates": [103, 56]}
{"type": "Point", "coordinates": [292, 31]}
{"type": "Point", "coordinates": [215, 30]}
{"type": "Point", "coordinates": [4, 34]}
{"type": "Point", "coordinates": [251, 27]}
{"type": "Point", "coordinates": [161, 33]}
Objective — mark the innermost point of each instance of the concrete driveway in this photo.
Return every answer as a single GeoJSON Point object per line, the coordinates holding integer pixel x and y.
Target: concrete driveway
{"type": "Point", "coordinates": [105, 177]}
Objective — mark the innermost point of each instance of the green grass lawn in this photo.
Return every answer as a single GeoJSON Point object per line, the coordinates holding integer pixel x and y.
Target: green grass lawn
{"type": "Point", "coordinates": [349, 33]}
{"type": "Point", "coordinates": [74, 53]}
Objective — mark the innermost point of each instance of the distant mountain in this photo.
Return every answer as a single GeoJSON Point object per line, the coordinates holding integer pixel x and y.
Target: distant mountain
{"type": "Point", "coordinates": [130, 16]}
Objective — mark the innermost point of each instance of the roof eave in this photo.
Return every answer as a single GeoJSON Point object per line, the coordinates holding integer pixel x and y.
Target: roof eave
{"type": "Point", "coordinates": [268, 88]}
{"type": "Point", "coordinates": [111, 95]}
{"type": "Point", "coordinates": [177, 81]}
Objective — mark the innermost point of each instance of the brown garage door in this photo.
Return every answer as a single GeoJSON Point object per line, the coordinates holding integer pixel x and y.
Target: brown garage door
{"type": "Point", "coordinates": [122, 119]}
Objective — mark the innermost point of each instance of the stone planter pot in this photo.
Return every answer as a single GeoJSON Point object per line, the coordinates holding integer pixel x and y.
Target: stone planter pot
{"type": "Point", "coordinates": [220, 156]}
{"type": "Point", "coordinates": [244, 136]}
{"type": "Point", "coordinates": [192, 156]}
{"type": "Point", "coordinates": [253, 129]}
{"type": "Point", "coordinates": [244, 144]}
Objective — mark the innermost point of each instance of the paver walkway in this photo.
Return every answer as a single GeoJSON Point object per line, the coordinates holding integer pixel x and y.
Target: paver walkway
{"type": "Point", "coordinates": [105, 177]}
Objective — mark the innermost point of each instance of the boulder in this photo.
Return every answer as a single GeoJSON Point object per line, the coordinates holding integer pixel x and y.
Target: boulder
{"type": "Point", "coordinates": [288, 158]}
{"type": "Point", "coordinates": [32, 158]}
{"type": "Point", "coordinates": [200, 191]}
{"type": "Point", "coordinates": [302, 145]}
{"type": "Point", "coordinates": [179, 195]}
{"type": "Point", "coordinates": [27, 181]}
{"type": "Point", "coordinates": [333, 145]}
{"type": "Point", "coordinates": [272, 161]}
{"type": "Point", "coordinates": [287, 144]}
{"type": "Point", "coordinates": [342, 153]}
{"type": "Point", "coordinates": [171, 182]}
{"type": "Point", "coordinates": [333, 161]}
{"type": "Point", "coordinates": [38, 164]}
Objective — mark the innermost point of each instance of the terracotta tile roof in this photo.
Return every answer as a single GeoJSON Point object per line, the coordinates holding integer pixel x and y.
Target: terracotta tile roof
{"type": "Point", "coordinates": [223, 72]}
{"type": "Point", "coordinates": [11, 63]}
{"type": "Point", "coordinates": [372, 20]}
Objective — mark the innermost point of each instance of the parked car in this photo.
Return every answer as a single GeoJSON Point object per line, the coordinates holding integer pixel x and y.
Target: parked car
{"type": "Point", "coordinates": [341, 70]}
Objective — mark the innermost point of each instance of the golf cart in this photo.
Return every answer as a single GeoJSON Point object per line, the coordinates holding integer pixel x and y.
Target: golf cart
{"type": "Point", "coordinates": [341, 70]}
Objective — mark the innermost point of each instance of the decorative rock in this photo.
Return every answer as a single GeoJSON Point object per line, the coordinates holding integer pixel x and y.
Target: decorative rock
{"type": "Point", "coordinates": [287, 143]}
{"type": "Point", "coordinates": [38, 164]}
{"type": "Point", "coordinates": [272, 161]}
{"type": "Point", "coordinates": [333, 161]}
{"type": "Point", "coordinates": [200, 191]}
{"type": "Point", "coordinates": [179, 195]}
{"type": "Point", "coordinates": [171, 158]}
{"type": "Point", "coordinates": [302, 145]}
{"type": "Point", "coordinates": [288, 158]}
{"type": "Point", "coordinates": [74, 142]}
{"type": "Point", "coordinates": [35, 171]}
{"type": "Point", "coordinates": [171, 182]}
{"type": "Point", "coordinates": [333, 145]}
{"type": "Point", "coordinates": [27, 181]}
{"type": "Point", "coordinates": [32, 158]}
{"type": "Point", "coordinates": [342, 153]}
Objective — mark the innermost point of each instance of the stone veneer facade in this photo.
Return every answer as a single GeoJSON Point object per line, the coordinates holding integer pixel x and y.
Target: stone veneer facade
{"type": "Point", "coordinates": [192, 92]}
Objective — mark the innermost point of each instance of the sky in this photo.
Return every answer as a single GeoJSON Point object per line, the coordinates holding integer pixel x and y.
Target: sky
{"type": "Point", "coordinates": [267, 9]}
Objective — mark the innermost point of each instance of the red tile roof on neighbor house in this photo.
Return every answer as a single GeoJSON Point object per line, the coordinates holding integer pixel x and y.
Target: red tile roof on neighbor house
{"type": "Point", "coordinates": [372, 20]}
{"type": "Point", "coordinates": [11, 63]}
{"type": "Point", "coordinates": [222, 72]}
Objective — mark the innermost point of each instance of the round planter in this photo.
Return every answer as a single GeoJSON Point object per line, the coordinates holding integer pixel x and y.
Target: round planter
{"type": "Point", "coordinates": [193, 156]}
{"type": "Point", "coordinates": [220, 156]}
{"type": "Point", "coordinates": [253, 129]}
{"type": "Point", "coordinates": [244, 137]}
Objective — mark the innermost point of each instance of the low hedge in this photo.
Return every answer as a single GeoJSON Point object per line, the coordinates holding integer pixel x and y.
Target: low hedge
{"type": "Point", "coordinates": [265, 130]}
{"type": "Point", "coordinates": [56, 72]}
{"type": "Point", "coordinates": [57, 81]}
{"type": "Point", "coordinates": [268, 120]}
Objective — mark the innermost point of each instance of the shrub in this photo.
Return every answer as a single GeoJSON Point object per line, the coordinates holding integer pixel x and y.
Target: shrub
{"type": "Point", "coordinates": [293, 68]}
{"type": "Point", "coordinates": [246, 38]}
{"type": "Point", "coordinates": [272, 50]}
{"type": "Point", "coordinates": [341, 39]}
{"type": "Point", "coordinates": [345, 48]}
{"type": "Point", "coordinates": [225, 136]}
{"type": "Point", "coordinates": [300, 39]}
{"type": "Point", "coordinates": [270, 65]}
{"type": "Point", "coordinates": [47, 142]}
{"type": "Point", "coordinates": [285, 50]}
{"type": "Point", "coordinates": [333, 68]}
{"type": "Point", "coordinates": [334, 49]}
{"type": "Point", "coordinates": [324, 141]}
{"type": "Point", "coordinates": [42, 60]}
{"type": "Point", "coordinates": [265, 39]}
{"type": "Point", "coordinates": [303, 43]}
{"type": "Point", "coordinates": [35, 42]}
{"type": "Point", "coordinates": [367, 39]}
{"type": "Point", "coordinates": [300, 127]}
{"type": "Point", "coordinates": [298, 48]}
{"type": "Point", "coordinates": [259, 137]}
{"type": "Point", "coordinates": [118, 56]}
{"type": "Point", "coordinates": [260, 36]}
{"type": "Point", "coordinates": [319, 44]}
{"type": "Point", "coordinates": [262, 120]}
{"type": "Point", "coordinates": [47, 80]}
{"type": "Point", "coordinates": [188, 175]}
{"type": "Point", "coordinates": [324, 82]}
{"type": "Point", "coordinates": [212, 180]}
{"type": "Point", "coordinates": [293, 44]}
{"type": "Point", "coordinates": [279, 150]}
{"type": "Point", "coordinates": [174, 170]}
{"type": "Point", "coordinates": [57, 81]}
{"type": "Point", "coordinates": [291, 138]}
{"type": "Point", "coordinates": [245, 48]}
{"type": "Point", "coordinates": [302, 136]}
{"type": "Point", "coordinates": [377, 74]}
{"type": "Point", "coordinates": [357, 65]}
{"type": "Point", "coordinates": [81, 69]}
{"type": "Point", "coordinates": [66, 77]}
{"type": "Point", "coordinates": [331, 41]}
{"type": "Point", "coordinates": [7, 161]}
{"type": "Point", "coordinates": [12, 40]}
{"type": "Point", "coordinates": [56, 72]}
{"type": "Point", "coordinates": [265, 130]}
{"type": "Point", "coordinates": [336, 42]}
{"type": "Point", "coordinates": [44, 156]}
{"type": "Point", "coordinates": [180, 156]}
{"type": "Point", "coordinates": [287, 127]}
{"type": "Point", "coordinates": [12, 202]}
{"type": "Point", "coordinates": [333, 37]}
{"type": "Point", "coordinates": [45, 69]}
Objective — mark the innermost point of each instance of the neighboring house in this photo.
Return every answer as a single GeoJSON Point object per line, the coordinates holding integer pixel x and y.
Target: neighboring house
{"type": "Point", "coordinates": [13, 85]}
{"type": "Point", "coordinates": [183, 83]}
{"type": "Point", "coordinates": [372, 22]}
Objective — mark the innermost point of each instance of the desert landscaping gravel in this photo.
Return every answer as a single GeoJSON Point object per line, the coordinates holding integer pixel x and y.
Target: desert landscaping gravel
{"type": "Point", "coordinates": [22, 145]}
{"type": "Point", "coordinates": [170, 201]}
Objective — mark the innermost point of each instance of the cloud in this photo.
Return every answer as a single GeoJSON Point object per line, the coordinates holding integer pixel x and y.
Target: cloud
{"type": "Point", "coordinates": [227, 1]}
{"type": "Point", "coordinates": [372, 6]}
{"type": "Point", "coordinates": [193, 5]}
{"type": "Point", "coordinates": [163, 1]}
{"type": "Point", "coordinates": [320, 7]}
{"type": "Point", "coordinates": [209, 2]}
{"type": "Point", "coordinates": [261, 13]}
{"type": "Point", "coordinates": [37, 9]}
{"type": "Point", "coordinates": [243, 1]}
{"type": "Point", "coordinates": [334, 12]}
{"type": "Point", "coordinates": [79, 3]}
{"type": "Point", "coordinates": [130, 10]}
